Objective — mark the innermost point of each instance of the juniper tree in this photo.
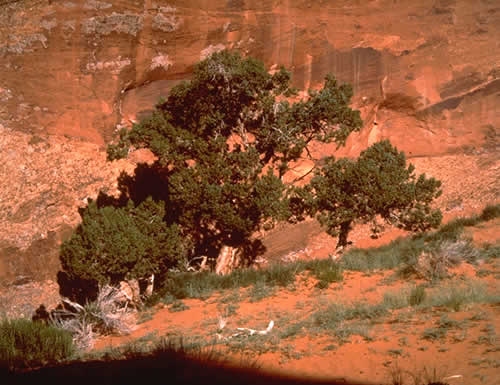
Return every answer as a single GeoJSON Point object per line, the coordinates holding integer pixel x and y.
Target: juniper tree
{"type": "Point", "coordinates": [377, 184]}
{"type": "Point", "coordinates": [116, 243]}
{"type": "Point", "coordinates": [223, 142]}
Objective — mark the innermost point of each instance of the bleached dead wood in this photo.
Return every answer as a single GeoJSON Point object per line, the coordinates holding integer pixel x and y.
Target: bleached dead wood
{"type": "Point", "coordinates": [246, 331]}
{"type": "Point", "coordinates": [261, 332]}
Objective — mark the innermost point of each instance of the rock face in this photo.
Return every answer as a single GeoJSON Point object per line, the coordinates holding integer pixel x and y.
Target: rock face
{"type": "Point", "coordinates": [425, 74]}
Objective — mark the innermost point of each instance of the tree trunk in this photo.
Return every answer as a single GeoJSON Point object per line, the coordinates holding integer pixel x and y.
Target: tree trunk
{"type": "Point", "coordinates": [345, 227]}
{"type": "Point", "coordinates": [227, 260]}
{"type": "Point", "coordinates": [150, 286]}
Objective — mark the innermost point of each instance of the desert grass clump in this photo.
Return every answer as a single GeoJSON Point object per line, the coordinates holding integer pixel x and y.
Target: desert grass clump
{"type": "Point", "coordinates": [202, 284]}
{"type": "Point", "coordinates": [165, 351]}
{"type": "Point", "coordinates": [326, 271]}
{"type": "Point", "coordinates": [455, 296]}
{"type": "Point", "coordinates": [27, 344]}
{"type": "Point", "coordinates": [417, 295]}
{"type": "Point", "coordinates": [428, 254]}
{"type": "Point", "coordinates": [450, 231]}
{"type": "Point", "coordinates": [490, 251]}
{"type": "Point", "coordinates": [343, 321]}
{"type": "Point", "coordinates": [335, 314]}
{"type": "Point", "coordinates": [386, 257]}
{"type": "Point", "coordinates": [279, 275]}
{"type": "Point", "coordinates": [260, 291]}
{"type": "Point", "coordinates": [396, 299]}
{"type": "Point", "coordinates": [399, 376]}
{"type": "Point", "coordinates": [181, 347]}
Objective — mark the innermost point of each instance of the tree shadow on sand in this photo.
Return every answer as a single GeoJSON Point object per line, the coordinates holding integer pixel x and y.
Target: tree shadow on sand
{"type": "Point", "coordinates": [169, 366]}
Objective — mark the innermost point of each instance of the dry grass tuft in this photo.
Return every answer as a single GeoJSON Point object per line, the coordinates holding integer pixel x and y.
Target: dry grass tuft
{"type": "Point", "coordinates": [433, 265]}
{"type": "Point", "coordinates": [108, 314]}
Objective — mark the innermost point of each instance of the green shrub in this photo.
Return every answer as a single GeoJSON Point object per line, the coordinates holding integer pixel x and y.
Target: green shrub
{"type": "Point", "coordinates": [114, 243]}
{"type": "Point", "coordinates": [24, 344]}
{"type": "Point", "coordinates": [378, 185]}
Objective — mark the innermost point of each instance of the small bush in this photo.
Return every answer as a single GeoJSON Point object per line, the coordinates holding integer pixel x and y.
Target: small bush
{"type": "Point", "coordinates": [433, 263]}
{"type": "Point", "coordinates": [26, 344]}
{"type": "Point", "coordinates": [417, 295]}
{"type": "Point", "coordinates": [456, 252]}
{"type": "Point", "coordinates": [115, 243]}
{"type": "Point", "coordinates": [490, 212]}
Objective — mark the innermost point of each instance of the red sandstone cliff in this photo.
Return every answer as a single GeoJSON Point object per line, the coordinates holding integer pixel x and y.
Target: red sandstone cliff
{"type": "Point", "coordinates": [425, 73]}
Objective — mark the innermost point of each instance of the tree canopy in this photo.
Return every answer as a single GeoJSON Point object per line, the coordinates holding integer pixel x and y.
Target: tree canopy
{"type": "Point", "coordinates": [222, 143]}
{"type": "Point", "coordinates": [224, 140]}
{"type": "Point", "coordinates": [377, 184]}
{"type": "Point", "coordinates": [114, 243]}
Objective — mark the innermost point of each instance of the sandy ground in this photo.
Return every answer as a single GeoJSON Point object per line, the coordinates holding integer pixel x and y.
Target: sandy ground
{"type": "Point", "coordinates": [468, 353]}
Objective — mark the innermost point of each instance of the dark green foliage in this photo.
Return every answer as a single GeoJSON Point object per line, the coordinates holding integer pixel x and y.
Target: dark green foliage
{"type": "Point", "coordinates": [222, 143]}
{"type": "Point", "coordinates": [24, 344]}
{"type": "Point", "coordinates": [377, 184]}
{"type": "Point", "coordinates": [113, 243]}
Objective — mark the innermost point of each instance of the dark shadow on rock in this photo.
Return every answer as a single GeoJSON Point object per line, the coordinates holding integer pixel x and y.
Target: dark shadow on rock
{"type": "Point", "coordinates": [77, 290]}
{"type": "Point", "coordinates": [41, 314]}
{"type": "Point", "coordinates": [250, 251]}
{"type": "Point", "coordinates": [147, 181]}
